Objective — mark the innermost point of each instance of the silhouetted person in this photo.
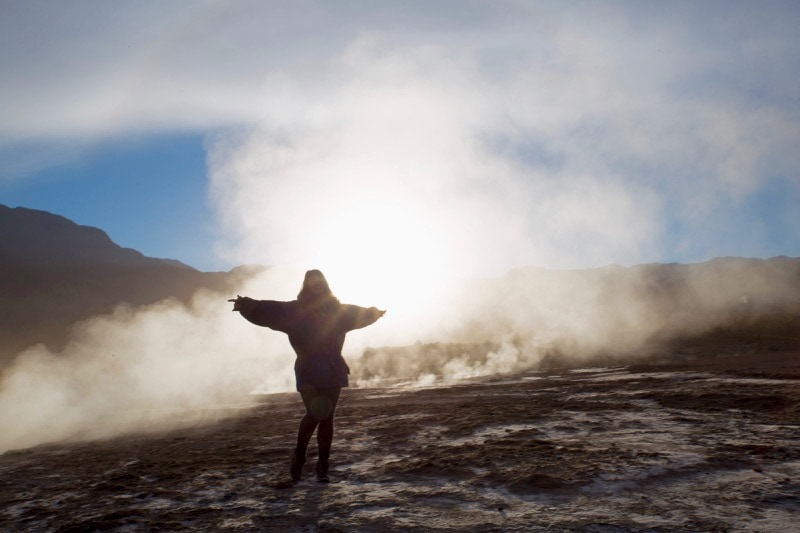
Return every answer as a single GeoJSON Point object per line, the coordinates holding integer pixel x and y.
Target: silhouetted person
{"type": "Point", "coordinates": [316, 324]}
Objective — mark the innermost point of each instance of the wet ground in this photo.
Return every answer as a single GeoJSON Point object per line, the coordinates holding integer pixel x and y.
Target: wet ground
{"type": "Point", "coordinates": [709, 445]}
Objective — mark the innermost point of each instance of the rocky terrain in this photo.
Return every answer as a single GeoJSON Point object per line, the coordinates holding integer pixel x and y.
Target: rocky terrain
{"type": "Point", "coordinates": [711, 444]}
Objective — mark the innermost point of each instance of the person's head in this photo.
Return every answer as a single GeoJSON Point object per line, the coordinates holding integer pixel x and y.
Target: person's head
{"type": "Point", "coordinates": [315, 286]}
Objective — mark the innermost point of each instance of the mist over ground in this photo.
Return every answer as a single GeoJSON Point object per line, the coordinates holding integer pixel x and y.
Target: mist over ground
{"type": "Point", "coordinates": [171, 365]}
{"type": "Point", "coordinates": [614, 314]}
{"type": "Point", "coordinates": [415, 155]}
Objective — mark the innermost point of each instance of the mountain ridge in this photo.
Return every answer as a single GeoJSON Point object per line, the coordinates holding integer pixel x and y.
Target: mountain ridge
{"type": "Point", "coordinates": [28, 237]}
{"type": "Point", "coordinates": [54, 273]}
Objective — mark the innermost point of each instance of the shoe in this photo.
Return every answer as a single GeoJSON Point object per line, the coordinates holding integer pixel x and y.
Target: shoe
{"type": "Point", "coordinates": [296, 467]}
{"type": "Point", "coordinates": [322, 472]}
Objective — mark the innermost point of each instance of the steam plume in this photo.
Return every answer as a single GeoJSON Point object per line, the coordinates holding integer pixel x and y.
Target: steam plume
{"type": "Point", "coordinates": [401, 171]}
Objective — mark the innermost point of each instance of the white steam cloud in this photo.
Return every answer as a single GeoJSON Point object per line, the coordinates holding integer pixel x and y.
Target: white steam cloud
{"type": "Point", "coordinates": [170, 365]}
{"type": "Point", "coordinates": [401, 165]}
{"type": "Point", "coordinates": [145, 368]}
{"type": "Point", "coordinates": [417, 149]}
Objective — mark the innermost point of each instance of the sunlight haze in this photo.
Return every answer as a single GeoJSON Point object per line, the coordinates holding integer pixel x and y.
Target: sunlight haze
{"type": "Point", "coordinates": [517, 133]}
{"type": "Point", "coordinates": [507, 179]}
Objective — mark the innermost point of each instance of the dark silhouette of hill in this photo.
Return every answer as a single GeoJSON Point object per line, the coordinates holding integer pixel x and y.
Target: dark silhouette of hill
{"type": "Point", "coordinates": [54, 272]}
{"type": "Point", "coordinates": [29, 237]}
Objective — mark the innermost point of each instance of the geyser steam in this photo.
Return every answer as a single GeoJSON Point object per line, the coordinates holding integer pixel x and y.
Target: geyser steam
{"type": "Point", "coordinates": [401, 172]}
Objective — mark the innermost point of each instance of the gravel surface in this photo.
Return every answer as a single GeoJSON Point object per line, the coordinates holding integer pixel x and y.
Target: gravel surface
{"type": "Point", "coordinates": [707, 445]}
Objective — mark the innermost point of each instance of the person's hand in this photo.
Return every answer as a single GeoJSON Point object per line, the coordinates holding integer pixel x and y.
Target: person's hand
{"type": "Point", "coordinates": [237, 303]}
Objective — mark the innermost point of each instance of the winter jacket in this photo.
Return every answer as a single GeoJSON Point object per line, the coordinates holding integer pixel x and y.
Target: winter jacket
{"type": "Point", "coordinates": [316, 334]}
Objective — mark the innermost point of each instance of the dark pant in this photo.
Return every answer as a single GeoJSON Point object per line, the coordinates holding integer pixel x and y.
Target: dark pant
{"type": "Point", "coordinates": [320, 405]}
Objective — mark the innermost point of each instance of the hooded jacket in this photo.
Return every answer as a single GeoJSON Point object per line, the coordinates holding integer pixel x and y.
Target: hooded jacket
{"type": "Point", "coordinates": [316, 332]}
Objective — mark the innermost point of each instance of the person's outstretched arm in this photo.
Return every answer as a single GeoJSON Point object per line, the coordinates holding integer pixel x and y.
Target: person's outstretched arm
{"type": "Point", "coordinates": [355, 317]}
{"type": "Point", "coordinates": [268, 313]}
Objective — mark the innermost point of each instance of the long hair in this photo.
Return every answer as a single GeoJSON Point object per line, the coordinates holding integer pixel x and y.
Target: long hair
{"type": "Point", "coordinates": [326, 301]}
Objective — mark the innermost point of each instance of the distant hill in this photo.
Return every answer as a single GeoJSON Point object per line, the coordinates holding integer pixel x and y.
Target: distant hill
{"type": "Point", "coordinates": [54, 272]}
{"type": "Point", "coordinates": [29, 237]}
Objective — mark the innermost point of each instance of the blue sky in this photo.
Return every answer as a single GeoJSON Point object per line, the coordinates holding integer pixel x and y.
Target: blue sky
{"type": "Point", "coordinates": [147, 193]}
{"type": "Point", "coordinates": [409, 137]}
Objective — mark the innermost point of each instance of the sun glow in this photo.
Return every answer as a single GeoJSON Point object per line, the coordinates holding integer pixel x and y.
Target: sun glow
{"type": "Point", "coordinates": [385, 253]}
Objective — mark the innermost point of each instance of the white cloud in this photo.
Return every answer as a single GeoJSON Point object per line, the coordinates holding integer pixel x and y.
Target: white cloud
{"type": "Point", "coordinates": [485, 113]}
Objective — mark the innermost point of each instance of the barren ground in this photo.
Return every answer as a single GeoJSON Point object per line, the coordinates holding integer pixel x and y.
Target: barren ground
{"type": "Point", "coordinates": [705, 445]}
